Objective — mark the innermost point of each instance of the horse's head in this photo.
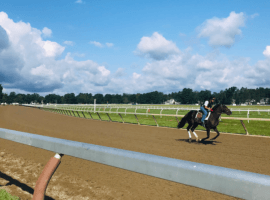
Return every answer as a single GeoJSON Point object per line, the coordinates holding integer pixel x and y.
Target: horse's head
{"type": "Point", "coordinates": [226, 110]}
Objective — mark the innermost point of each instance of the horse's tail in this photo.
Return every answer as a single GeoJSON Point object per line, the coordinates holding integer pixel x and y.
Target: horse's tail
{"type": "Point", "coordinates": [183, 121]}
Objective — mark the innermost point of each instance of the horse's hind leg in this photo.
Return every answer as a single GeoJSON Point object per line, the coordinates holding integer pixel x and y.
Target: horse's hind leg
{"type": "Point", "coordinates": [189, 126]}
{"type": "Point", "coordinates": [192, 129]}
{"type": "Point", "coordinates": [215, 129]}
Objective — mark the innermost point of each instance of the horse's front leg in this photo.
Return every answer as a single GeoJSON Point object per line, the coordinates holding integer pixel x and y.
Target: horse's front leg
{"type": "Point", "coordinates": [192, 129]}
{"type": "Point", "coordinates": [215, 129]}
{"type": "Point", "coordinates": [208, 134]}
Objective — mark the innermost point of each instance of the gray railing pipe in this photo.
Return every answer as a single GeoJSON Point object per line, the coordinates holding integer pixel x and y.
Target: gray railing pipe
{"type": "Point", "coordinates": [227, 181]}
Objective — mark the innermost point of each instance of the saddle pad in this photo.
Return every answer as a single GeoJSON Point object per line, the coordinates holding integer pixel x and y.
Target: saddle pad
{"type": "Point", "coordinates": [200, 114]}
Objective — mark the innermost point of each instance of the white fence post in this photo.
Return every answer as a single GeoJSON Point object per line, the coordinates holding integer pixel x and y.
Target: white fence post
{"type": "Point", "coordinates": [94, 105]}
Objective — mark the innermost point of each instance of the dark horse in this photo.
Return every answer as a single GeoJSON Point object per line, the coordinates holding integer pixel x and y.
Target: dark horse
{"type": "Point", "coordinates": [211, 123]}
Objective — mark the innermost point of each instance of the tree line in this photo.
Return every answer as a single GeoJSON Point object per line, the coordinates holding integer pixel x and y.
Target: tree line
{"type": "Point", "coordinates": [186, 96]}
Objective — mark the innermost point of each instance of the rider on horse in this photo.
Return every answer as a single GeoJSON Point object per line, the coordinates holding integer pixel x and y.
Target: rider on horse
{"type": "Point", "coordinates": [207, 106]}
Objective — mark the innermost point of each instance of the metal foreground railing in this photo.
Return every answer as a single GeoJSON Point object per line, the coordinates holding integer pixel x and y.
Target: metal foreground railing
{"type": "Point", "coordinates": [227, 181]}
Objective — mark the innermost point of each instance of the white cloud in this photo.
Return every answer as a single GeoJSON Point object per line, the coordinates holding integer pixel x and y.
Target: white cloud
{"type": "Point", "coordinates": [213, 71]}
{"type": "Point", "coordinates": [136, 76]}
{"type": "Point", "coordinates": [156, 47]}
{"type": "Point", "coordinates": [266, 52]}
{"type": "Point", "coordinates": [182, 34]}
{"type": "Point", "coordinates": [46, 32]}
{"type": "Point", "coordinates": [222, 32]}
{"type": "Point", "coordinates": [4, 41]}
{"type": "Point", "coordinates": [109, 44]}
{"type": "Point", "coordinates": [79, 1]}
{"type": "Point", "coordinates": [70, 43]}
{"type": "Point", "coordinates": [30, 64]}
{"type": "Point", "coordinates": [51, 49]}
{"type": "Point", "coordinates": [254, 15]}
{"type": "Point", "coordinates": [97, 44]}
{"type": "Point", "coordinates": [79, 55]}
{"type": "Point", "coordinates": [104, 71]}
{"type": "Point", "coordinates": [120, 72]}
{"type": "Point", "coordinates": [41, 71]}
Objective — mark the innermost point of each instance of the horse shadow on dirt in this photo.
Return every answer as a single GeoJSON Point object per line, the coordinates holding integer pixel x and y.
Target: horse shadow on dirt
{"type": "Point", "coordinates": [24, 187]}
{"type": "Point", "coordinates": [205, 142]}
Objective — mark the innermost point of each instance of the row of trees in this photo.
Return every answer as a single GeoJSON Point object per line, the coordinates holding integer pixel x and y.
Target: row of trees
{"type": "Point", "coordinates": [186, 96]}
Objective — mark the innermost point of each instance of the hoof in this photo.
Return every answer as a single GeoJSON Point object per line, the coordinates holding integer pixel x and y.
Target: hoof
{"type": "Point", "coordinates": [189, 140]}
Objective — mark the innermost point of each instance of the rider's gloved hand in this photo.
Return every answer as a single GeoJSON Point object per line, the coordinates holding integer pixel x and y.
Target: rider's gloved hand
{"type": "Point", "coordinates": [211, 110]}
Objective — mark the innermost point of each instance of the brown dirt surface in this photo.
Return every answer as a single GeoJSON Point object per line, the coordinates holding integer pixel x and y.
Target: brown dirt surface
{"type": "Point", "coordinates": [20, 165]}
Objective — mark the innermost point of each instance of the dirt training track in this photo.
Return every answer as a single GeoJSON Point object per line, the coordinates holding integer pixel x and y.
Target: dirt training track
{"type": "Point", "coordinates": [81, 179]}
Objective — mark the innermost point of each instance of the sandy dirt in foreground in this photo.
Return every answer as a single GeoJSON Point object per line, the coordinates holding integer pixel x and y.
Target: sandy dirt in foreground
{"type": "Point", "coordinates": [20, 165]}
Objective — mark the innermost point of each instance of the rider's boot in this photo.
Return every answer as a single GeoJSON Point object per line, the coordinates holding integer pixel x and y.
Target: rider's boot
{"type": "Point", "coordinates": [203, 124]}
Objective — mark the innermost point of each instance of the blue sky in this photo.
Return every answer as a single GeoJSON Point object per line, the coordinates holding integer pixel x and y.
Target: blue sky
{"type": "Point", "coordinates": [133, 46]}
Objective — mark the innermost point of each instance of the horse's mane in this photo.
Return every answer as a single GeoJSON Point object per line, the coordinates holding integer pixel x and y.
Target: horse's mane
{"type": "Point", "coordinates": [216, 106]}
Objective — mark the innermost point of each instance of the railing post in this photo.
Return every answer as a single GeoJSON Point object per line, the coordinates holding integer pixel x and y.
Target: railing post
{"type": "Point", "coordinates": [99, 116]}
{"type": "Point", "coordinates": [177, 119]}
{"type": "Point", "coordinates": [137, 119]}
{"type": "Point", "coordinates": [45, 177]}
{"type": "Point", "coordinates": [90, 115]}
{"type": "Point", "coordinates": [109, 117]}
{"type": "Point", "coordinates": [121, 117]}
{"type": "Point", "coordinates": [248, 115]}
{"type": "Point", "coordinates": [244, 126]}
{"type": "Point", "coordinates": [155, 120]}
{"type": "Point", "coordinates": [83, 115]}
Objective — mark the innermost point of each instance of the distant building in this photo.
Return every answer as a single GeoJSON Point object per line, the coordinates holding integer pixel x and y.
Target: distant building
{"type": "Point", "coordinates": [171, 102]}
{"type": "Point", "coordinates": [264, 101]}
{"type": "Point", "coordinates": [250, 102]}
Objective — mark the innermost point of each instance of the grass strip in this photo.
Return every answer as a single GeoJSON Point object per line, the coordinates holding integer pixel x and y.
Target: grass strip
{"type": "Point", "coordinates": [4, 195]}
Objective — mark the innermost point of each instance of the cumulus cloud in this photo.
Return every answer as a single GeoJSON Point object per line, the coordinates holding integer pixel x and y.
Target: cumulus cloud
{"type": "Point", "coordinates": [266, 52]}
{"type": "Point", "coordinates": [41, 71]}
{"type": "Point", "coordinates": [109, 44]}
{"type": "Point", "coordinates": [70, 43]}
{"type": "Point", "coordinates": [4, 41]}
{"type": "Point", "coordinates": [31, 64]}
{"type": "Point", "coordinates": [156, 47]}
{"type": "Point", "coordinates": [222, 32]}
{"type": "Point", "coordinates": [254, 15]}
{"type": "Point", "coordinates": [213, 71]}
{"type": "Point", "coordinates": [135, 75]}
{"type": "Point", "coordinates": [97, 44]}
{"type": "Point", "coordinates": [120, 72]}
{"type": "Point", "coordinates": [79, 1]}
{"type": "Point", "coordinates": [46, 32]}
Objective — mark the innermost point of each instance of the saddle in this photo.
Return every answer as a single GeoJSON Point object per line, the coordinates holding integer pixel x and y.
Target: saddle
{"type": "Point", "coordinates": [199, 115]}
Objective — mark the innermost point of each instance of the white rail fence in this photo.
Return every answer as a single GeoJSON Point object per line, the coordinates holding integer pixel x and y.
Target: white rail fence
{"type": "Point", "coordinates": [68, 109]}
{"type": "Point", "coordinates": [97, 107]}
{"type": "Point", "coordinates": [227, 181]}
